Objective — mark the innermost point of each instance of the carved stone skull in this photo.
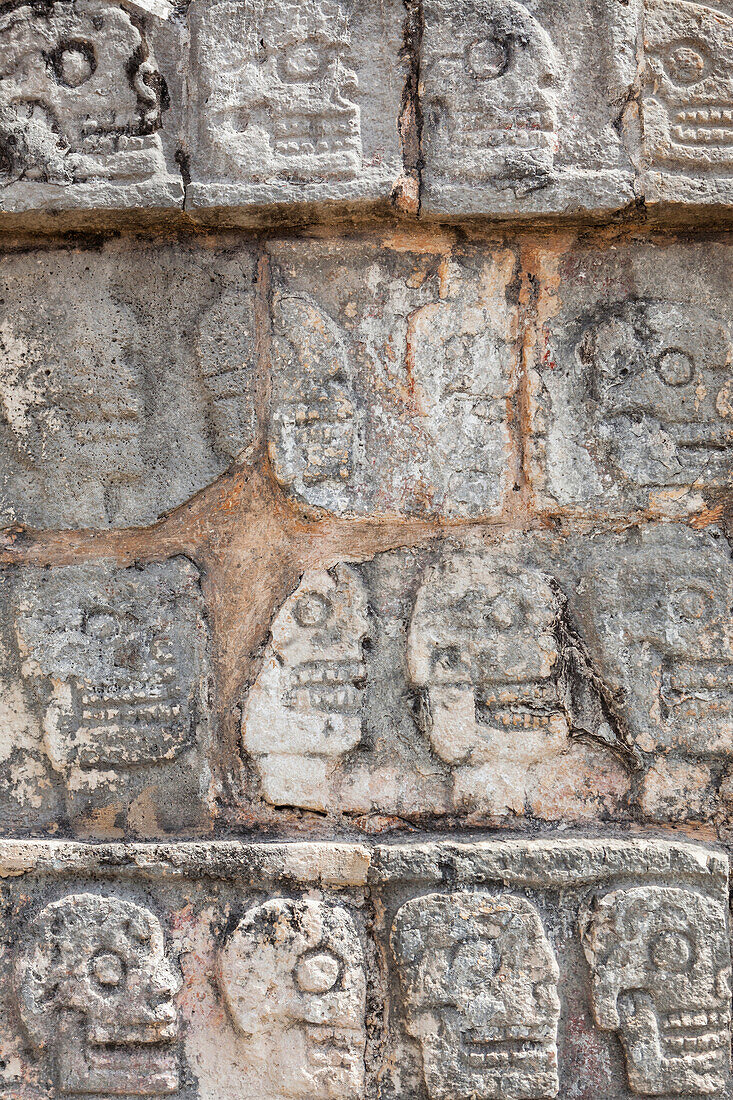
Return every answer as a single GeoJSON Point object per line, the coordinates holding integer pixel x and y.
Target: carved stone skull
{"type": "Point", "coordinates": [80, 95]}
{"type": "Point", "coordinates": [305, 710]}
{"type": "Point", "coordinates": [479, 984]}
{"type": "Point", "coordinates": [492, 77]}
{"type": "Point", "coordinates": [96, 994]}
{"type": "Point", "coordinates": [292, 975]}
{"type": "Point", "coordinates": [660, 960]}
{"type": "Point", "coordinates": [688, 99]}
{"type": "Point", "coordinates": [660, 373]}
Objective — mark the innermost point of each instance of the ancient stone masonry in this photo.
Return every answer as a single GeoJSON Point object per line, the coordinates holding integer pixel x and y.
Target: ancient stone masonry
{"type": "Point", "coordinates": [366, 549]}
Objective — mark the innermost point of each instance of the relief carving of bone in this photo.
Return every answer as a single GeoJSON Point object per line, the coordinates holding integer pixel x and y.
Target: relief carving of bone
{"type": "Point", "coordinates": [293, 979]}
{"type": "Point", "coordinates": [96, 997]}
{"type": "Point", "coordinates": [479, 985]}
{"type": "Point", "coordinates": [661, 978]}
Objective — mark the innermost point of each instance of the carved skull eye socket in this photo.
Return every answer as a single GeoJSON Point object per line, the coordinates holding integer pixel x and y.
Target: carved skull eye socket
{"type": "Point", "coordinates": [108, 970]}
{"type": "Point", "coordinates": [300, 64]}
{"type": "Point", "coordinates": [317, 973]}
{"type": "Point", "coordinates": [312, 610]}
{"type": "Point", "coordinates": [475, 961]}
{"type": "Point", "coordinates": [689, 604]}
{"type": "Point", "coordinates": [74, 63]}
{"type": "Point", "coordinates": [672, 952]}
{"type": "Point", "coordinates": [686, 64]}
{"type": "Point", "coordinates": [675, 367]}
{"type": "Point", "coordinates": [504, 613]}
{"type": "Point", "coordinates": [489, 58]}
{"type": "Point", "coordinates": [100, 624]}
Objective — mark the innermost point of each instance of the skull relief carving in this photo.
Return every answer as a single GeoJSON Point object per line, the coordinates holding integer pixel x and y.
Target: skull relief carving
{"type": "Point", "coordinates": [492, 77]}
{"type": "Point", "coordinates": [305, 709]}
{"type": "Point", "coordinates": [96, 996]}
{"type": "Point", "coordinates": [479, 983]}
{"type": "Point", "coordinates": [660, 960]}
{"type": "Point", "coordinates": [284, 107]}
{"type": "Point", "coordinates": [660, 374]}
{"type": "Point", "coordinates": [80, 94]}
{"type": "Point", "coordinates": [292, 975]}
{"type": "Point", "coordinates": [688, 99]}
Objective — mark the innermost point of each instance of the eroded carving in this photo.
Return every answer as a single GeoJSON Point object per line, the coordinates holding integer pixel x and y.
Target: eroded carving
{"type": "Point", "coordinates": [80, 94]}
{"type": "Point", "coordinates": [479, 982]}
{"type": "Point", "coordinates": [305, 710]}
{"type": "Point", "coordinates": [660, 376]}
{"type": "Point", "coordinates": [492, 78]}
{"type": "Point", "coordinates": [120, 657]}
{"type": "Point", "coordinates": [96, 997]}
{"type": "Point", "coordinates": [660, 961]}
{"type": "Point", "coordinates": [688, 98]}
{"type": "Point", "coordinates": [282, 105]}
{"type": "Point", "coordinates": [293, 978]}
{"type": "Point", "coordinates": [314, 438]}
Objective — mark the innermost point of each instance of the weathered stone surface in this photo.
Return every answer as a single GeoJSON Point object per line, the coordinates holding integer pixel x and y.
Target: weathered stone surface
{"type": "Point", "coordinates": [84, 107]}
{"type": "Point", "coordinates": [392, 373]}
{"type": "Point", "coordinates": [294, 102]}
{"type": "Point", "coordinates": [521, 104]}
{"type": "Point", "coordinates": [110, 670]}
{"type": "Point", "coordinates": [631, 388]}
{"type": "Point", "coordinates": [116, 376]}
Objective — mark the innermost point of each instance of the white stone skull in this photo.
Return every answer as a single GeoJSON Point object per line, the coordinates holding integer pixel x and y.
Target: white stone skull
{"type": "Point", "coordinates": [688, 97]}
{"type": "Point", "coordinates": [305, 710]}
{"type": "Point", "coordinates": [492, 77]}
{"type": "Point", "coordinates": [96, 994]}
{"type": "Point", "coordinates": [661, 377]}
{"type": "Point", "coordinates": [661, 978]}
{"type": "Point", "coordinates": [479, 984]}
{"type": "Point", "coordinates": [80, 95]}
{"type": "Point", "coordinates": [292, 975]}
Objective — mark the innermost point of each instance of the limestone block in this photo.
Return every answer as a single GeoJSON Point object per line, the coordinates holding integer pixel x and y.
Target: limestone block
{"type": "Point", "coordinates": [522, 106]}
{"type": "Point", "coordinates": [294, 102]}
{"type": "Point", "coordinates": [113, 665]}
{"type": "Point", "coordinates": [84, 107]}
{"type": "Point", "coordinates": [218, 971]}
{"type": "Point", "coordinates": [117, 371]}
{"type": "Point", "coordinates": [484, 934]}
{"type": "Point", "coordinates": [632, 380]}
{"type": "Point", "coordinates": [391, 374]}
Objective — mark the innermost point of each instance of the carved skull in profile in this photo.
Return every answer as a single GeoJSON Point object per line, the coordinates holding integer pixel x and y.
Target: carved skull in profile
{"type": "Point", "coordinates": [96, 995]}
{"type": "Point", "coordinates": [479, 984]}
{"type": "Point", "coordinates": [292, 975]}
{"type": "Point", "coordinates": [661, 978]}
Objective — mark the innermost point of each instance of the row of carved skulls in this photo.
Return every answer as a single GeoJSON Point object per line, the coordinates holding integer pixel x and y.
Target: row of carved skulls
{"type": "Point", "coordinates": [478, 977]}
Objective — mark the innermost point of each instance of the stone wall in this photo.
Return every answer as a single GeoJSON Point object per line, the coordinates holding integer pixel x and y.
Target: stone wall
{"type": "Point", "coordinates": [366, 591]}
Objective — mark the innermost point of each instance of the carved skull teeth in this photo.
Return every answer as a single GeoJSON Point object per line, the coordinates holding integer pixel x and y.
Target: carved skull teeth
{"type": "Point", "coordinates": [706, 114]}
{"type": "Point", "coordinates": [697, 1018]}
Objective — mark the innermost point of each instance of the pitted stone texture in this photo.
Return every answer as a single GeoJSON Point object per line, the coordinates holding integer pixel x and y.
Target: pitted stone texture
{"type": "Point", "coordinates": [633, 381]}
{"type": "Point", "coordinates": [96, 997]}
{"type": "Point", "coordinates": [479, 980]}
{"type": "Point", "coordinates": [116, 375]}
{"type": "Point", "coordinates": [206, 971]}
{"type": "Point", "coordinates": [520, 104]}
{"type": "Point", "coordinates": [115, 668]}
{"type": "Point", "coordinates": [660, 959]}
{"type": "Point", "coordinates": [392, 374]}
{"type": "Point", "coordinates": [467, 1022]}
{"type": "Point", "coordinates": [82, 108]}
{"type": "Point", "coordinates": [294, 102]}
{"type": "Point", "coordinates": [292, 974]}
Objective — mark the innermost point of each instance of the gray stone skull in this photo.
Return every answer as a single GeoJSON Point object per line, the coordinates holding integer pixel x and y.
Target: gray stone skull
{"type": "Point", "coordinates": [492, 76]}
{"type": "Point", "coordinates": [479, 984]}
{"type": "Point", "coordinates": [96, 994]}
{"type": "Point", "coordinates": [292, 975]}
{"type": "Point", "coordinates": [661, 974]}
{"type": "Point", "coordinates": [688, 98]}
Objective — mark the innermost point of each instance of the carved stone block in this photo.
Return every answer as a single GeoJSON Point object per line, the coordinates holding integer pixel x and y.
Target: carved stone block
{"type": "Point", "coordinates": [117, 370]}
{"type": "Point", "coordinates": [520, 106]}
{"type": "Point", "coordinates": [294, 102]}
{"type": "Point", "coordinates": [391, 377]}
{"type": "Point", "coordinates": [113, 665]}
{"type": "Point", "coordinates": [632, 384]}
{"type": "Point", "coordinates": [83, 104]}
